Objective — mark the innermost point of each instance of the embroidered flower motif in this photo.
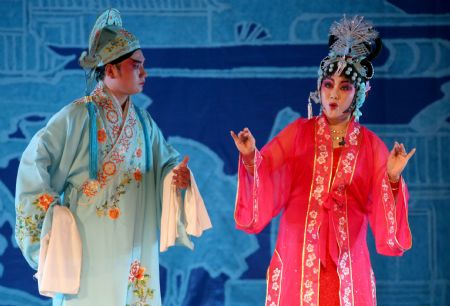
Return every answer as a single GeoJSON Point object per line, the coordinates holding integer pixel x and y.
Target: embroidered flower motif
{"type": "Point", "coordinates": [90, 188]}
{"type": "Point", "coordinates": [128, 131]}
{"type": "Point", "coordinates": [318, 189]}
{"type": "Point", "coordinates": [346, 271]}
{"type": "Point", "coordinates": [116, 130]}
{"type": "Point", "coordinates": [390, 215]}
{"type": "Point", "coordinates": [137, 280]}
{"type": "Point", "coordinates": [347, 291]}
{"type": "Point", "coordinates": [100, 212]}
{"type": "Point", "coordinates": [276, 274]}
{"type": "Point", "coordinates": [344, 258]}
{"type": "Point", "coordinates": [101, 135]}
{"type": "Point", "coordinates": [307, 297]}
{"type": "Point", "coordinates": [43, 202]}
{"type": "Point", "coordinates": [112, 116]}
{"type": "Point", "coordinates": [116, 157]}
{"type": "Point", "coordinates": [310, 248]}
{"type": "Point", "coordinates": [111, 208]}
{"type": "Point", "coordinates": [372, 283]}
{"type": "Point", "coordinates": [109, 168]}
{"type": "Point", "coordinates": [324, 154]}
{"type": "Point", "coordinates": [139, 152]}
{"type": "Point", "coordinates": [122, 150]}
{"type": "Point", "coordinates": [317, 196]}
{"type": "Point", "coordinates": [317, 193]}
{"type": "Point", "coordinates": [136, 272]}
{"type": "Point", "coordinates": [384, 185]}
{"type": "Point", "coordinates": [319, 180]}
{"type": "Point", "coordinates": [275, 286]}
{"type": "Point", "coordinates": [138, 175]}
{"type": "Point", "coordinates": [28, 226]}
{"type": "Point", "coordinates": [390, 243]}
{"type": "Point", "coordinates": [342, 233]}
{"type": "Point", "coordinates": [321, 160]}
{"type": "Point", "coordinates": [114, 213]}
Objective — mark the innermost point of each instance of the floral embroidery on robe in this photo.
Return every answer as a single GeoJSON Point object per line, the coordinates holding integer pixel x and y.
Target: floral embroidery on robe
{"type": "Point", "coordinates": [117, 214]}
{"type": "Point", "coordinates": [138, 282]}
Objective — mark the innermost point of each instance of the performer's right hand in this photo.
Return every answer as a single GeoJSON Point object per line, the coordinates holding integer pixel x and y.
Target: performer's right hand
{"type": "Point", "coordinates": [245, 143]}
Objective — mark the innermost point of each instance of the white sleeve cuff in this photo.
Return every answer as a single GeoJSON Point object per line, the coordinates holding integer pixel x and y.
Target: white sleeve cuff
{"type": "Point", "coordinates": [176, 226]}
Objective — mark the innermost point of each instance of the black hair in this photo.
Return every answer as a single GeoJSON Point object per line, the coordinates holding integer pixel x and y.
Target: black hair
{"type": "Point", "coordinates": [331, 70]}
{"type": "Point", "coordinates": [100, 71]}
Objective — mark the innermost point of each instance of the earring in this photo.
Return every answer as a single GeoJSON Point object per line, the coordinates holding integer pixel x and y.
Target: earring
{"type": "Point", "coordinates": [313, 96]}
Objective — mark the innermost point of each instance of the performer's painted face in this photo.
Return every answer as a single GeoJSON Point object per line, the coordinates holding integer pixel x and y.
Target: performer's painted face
{"type": "Point", "coordinates": [337, 94]}
{"type": "Point", "coordinates": [129, 75]}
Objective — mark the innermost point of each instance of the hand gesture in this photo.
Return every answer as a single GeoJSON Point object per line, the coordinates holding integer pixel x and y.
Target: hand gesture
{"type": "Point", "coordinates": [245, 143]}
{"type": "Point", "coordinates": [397, 160]}
{"type": "Point", "coordinates": [182, 175]}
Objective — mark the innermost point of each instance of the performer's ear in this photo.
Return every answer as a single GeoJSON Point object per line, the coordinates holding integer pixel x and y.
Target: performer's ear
{"type": "Point", "coordinates": [111, 71]}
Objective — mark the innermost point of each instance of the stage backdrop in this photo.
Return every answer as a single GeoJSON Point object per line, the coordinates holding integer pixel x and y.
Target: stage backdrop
{"type": "Point", "coordinates": [217, 65]}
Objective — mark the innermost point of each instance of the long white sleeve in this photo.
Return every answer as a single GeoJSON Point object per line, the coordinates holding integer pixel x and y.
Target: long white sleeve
{"type": "Point", "coordinates": [60, 255]}
{"type": "Point", "coordinates": [177, 224]}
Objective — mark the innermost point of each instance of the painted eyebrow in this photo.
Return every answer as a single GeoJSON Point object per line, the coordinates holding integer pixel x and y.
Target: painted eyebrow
{"type": "Point", "coordinates": [136, 61]}
{"type": "Point", "coordinates": [346, 83]}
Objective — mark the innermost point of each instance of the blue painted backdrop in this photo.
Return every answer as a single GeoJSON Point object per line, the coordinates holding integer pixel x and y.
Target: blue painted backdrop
{"type": "Point", "coordinates": [216, 65]}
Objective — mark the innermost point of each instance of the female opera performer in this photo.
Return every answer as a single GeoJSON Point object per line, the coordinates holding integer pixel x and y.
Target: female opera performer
{"type": "Point", "coordinates": [330, 177]}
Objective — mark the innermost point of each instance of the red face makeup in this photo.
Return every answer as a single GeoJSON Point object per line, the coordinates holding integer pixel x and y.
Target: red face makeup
{"type": "Point", "coordinates": [337, 95]}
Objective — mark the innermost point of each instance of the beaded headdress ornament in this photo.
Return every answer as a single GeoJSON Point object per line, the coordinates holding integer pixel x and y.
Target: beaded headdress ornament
{"type": "Point", "coordinates": [353, 44]}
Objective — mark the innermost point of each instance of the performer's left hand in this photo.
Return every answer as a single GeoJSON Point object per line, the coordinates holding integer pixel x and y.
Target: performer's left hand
{"type": "Point", "coordinates": [397, 160]}
{"type": "Point", "coordinates": [182, 175]}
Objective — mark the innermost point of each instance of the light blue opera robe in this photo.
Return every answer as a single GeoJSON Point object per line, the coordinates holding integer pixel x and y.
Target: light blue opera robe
{"type": "Point", "coordinates": [117, 214]}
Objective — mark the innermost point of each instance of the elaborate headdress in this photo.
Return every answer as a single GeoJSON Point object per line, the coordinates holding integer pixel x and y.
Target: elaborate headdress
{"type": "Point", "coordinates": [108, 41]}
{"type": "Point", "coordinates": [353, 44]}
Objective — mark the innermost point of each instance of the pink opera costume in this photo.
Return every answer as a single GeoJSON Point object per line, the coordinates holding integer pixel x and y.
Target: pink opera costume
{"type": "Point", "coordinates": [325, 212]}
